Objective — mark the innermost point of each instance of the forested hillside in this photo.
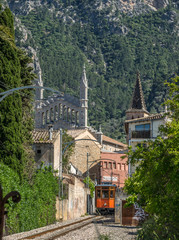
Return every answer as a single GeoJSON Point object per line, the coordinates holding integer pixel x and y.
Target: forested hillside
{"type": "Point", "coordinates": [113, 43]}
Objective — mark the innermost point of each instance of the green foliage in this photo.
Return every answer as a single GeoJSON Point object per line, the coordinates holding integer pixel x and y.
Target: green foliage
{"type": "Point", "coordinates": [153, 229]}
{"type": "Point", "coordinates": [37, 206]}
{"type": "Point", "coordinates": [91, 185]}
{"type": "Point", "coordinates": [17, 172]}
{"type": "Point", "coordinates": [66, 139]}
{"type": "Point", "coordinates": [81, 33]}
{"type": "Point", "coordinates": [15, 109]}
{"type": "Point", "coordinates": [104, 237]}
{"type": "Point", "coordinates": [155, 182]}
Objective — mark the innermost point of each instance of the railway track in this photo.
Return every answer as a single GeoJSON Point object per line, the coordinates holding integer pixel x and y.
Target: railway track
{"type": "Point", "coordinates": [57, 232]}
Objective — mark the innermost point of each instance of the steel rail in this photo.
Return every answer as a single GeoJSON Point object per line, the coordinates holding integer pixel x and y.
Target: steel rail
{"type": "Point", "coordinates": [63, 227]}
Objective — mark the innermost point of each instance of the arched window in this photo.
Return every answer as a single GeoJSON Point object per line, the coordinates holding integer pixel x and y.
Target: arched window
{"type": "Point", "coordinates": [73, 116]}
{"type": "Point", "coordinates": [77, 118]}
{"type": "Point", "coordinates": [56, 114]}
{"type": "Point", "coordinates": [47, 116]}
{"type": "Point", "coordinates": [51, 115]}
{"type": "Point", "coordinates": [60, 112]}
{"type": "Point", "coordinates": [43, 118]}
{"type": "Point", "coordinates": [64, 113]}
{"type": "Point", "coordinates": [68, 114]}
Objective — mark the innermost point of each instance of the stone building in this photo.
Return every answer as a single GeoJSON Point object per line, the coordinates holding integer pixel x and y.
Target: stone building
{"type": "Point", "coordinates": [63, 110]}
{"type": "Point", "coordinates": [66, 112]}
{"type": "Point", "coordinates": [140, 125]}
{"type": "Point", "coordinates": [86, 146]}
{"type": "Point", "coordinates": [46, 145]}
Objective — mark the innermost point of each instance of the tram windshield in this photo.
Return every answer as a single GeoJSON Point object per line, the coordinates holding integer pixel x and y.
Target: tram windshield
{"type": "Point", "coordinates": [105, 194]}
{"type": "Point", "coordinates": [98, 193]}
{"type": "Point", "coordinates": [111, 194]}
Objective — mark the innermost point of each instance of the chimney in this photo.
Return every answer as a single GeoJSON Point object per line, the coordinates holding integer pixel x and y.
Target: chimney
{"type": "Point", "coordinates": [99, 136]}
{"type": "Point", "coordinates": [50, 132]}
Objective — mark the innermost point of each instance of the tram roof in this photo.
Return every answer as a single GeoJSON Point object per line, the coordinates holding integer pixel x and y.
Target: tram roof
{"type": "Point", "coordinates": [106, 185]}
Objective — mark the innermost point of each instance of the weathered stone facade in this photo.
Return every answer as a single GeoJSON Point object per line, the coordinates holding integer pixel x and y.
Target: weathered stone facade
{"type": "Point", "coordinates": [63, 110]}
{"type": "Point", "coordinates": [75, 203]}
{"type": "Point", "coordinates": [46, 145]}
{"type": "Point", "coordinates": [82, 147]}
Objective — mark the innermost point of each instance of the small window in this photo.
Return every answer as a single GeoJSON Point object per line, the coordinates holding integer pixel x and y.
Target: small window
{"type": "Point", "coordinates": [142, 127]}
{"type": "Point", "coordinates": [119, 166]}
{"type": "Point", "coordinates": [144, 145]}
{"type": "Point", "coordinates": [105, 194]}
{"type": "Point", "coordinates": [98, 194]}
{"type": "Point", "coordinates": [105, 164]}
{"type": "Point", "coordinates": [39, 151]}
{"type": "Point", "coordinates": [114, 165]}
{"type": "Point", "coordinates": [110, 165]}
{"type": "Point", "coordinates": [123, 167]}
{"type": "Point", "coordinates": [112, 194]}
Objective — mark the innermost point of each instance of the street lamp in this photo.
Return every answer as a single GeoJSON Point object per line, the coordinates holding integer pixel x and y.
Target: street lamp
{"type": "Point", "coordinates": [7, 93]}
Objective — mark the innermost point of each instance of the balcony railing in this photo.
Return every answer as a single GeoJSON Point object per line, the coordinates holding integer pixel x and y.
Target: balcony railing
{"type": "Point", "coordinates": [141, 134]}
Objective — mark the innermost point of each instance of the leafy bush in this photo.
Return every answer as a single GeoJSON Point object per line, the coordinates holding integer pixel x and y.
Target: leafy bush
{"type": "Point", "coordinates": [155, 181]}
{"type": "Point", "coordinates": [37, 206]}
{"type": "Point", "coordinates": [91, 184]}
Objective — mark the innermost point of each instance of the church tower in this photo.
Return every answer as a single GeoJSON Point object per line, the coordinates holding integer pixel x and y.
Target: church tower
{"type": "Point", "coordinates": [138, 108]}
{"type": "Point", "coordinates": [83, 115]}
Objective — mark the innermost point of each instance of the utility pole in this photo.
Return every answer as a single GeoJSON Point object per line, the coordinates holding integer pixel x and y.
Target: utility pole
{"type": "Point", "coordinates": [87, 182]}
{"type": "Point", "coordinates": [60, 174]}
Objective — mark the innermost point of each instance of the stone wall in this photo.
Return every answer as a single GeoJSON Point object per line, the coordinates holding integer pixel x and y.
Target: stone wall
{"type": "Point", "coordinates": [76, 204]}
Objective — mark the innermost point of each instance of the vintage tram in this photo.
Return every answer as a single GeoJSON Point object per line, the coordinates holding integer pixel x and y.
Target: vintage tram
{"type": "Point", "coordinates": [105, 198]}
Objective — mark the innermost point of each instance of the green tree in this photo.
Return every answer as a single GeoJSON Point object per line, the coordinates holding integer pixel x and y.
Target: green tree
{"type": "Point", "coordinates": [15, 109]}
{"type": "Point", "coordinates": [155, 183]}
{"type": "Point", "coordinates": [66, 138]}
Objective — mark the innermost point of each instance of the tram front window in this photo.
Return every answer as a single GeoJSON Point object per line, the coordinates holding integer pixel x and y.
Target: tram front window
{"type": "Point", "coordinates": [98, 194]}
{"type": "Point", "coordinates": [112, 194]}
{"type": "Point", "coordinates": [105, 194]}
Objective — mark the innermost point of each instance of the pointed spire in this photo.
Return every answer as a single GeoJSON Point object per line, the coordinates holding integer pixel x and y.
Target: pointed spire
{"type": "Point", "coordinates": [100, 128]}
{"type": "Point", "coordinates": [138, 101]}
{"type": "Point", "coordinates": [84, 78]}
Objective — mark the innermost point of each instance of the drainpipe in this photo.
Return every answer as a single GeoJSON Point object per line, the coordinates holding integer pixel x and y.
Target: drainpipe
{"type": "Point", "coordinates": [129, 166]}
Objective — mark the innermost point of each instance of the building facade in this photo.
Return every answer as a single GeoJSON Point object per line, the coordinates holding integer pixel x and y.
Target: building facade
{"type": "Point", "coordinates": [63, 110]}
{"type": "Point", "coordinates": [140, 125]}
{"type": "Point", "coordinates": [113, 168]}
{"type": "Point", "coordinates": [46, 146]}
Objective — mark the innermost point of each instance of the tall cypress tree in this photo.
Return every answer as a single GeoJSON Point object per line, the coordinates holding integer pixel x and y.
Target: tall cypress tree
{"type": "Point", "coordinates": [14, 119]}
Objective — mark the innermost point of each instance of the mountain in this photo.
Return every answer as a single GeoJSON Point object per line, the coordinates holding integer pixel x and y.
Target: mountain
{"type": "Point", "coordinates": [114, 38]}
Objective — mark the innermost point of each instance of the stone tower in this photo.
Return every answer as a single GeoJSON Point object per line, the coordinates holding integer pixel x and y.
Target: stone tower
{"type": "Point", "coordinates": [83, 115]}
{"type": "Point", "coordinates": [138, 108]}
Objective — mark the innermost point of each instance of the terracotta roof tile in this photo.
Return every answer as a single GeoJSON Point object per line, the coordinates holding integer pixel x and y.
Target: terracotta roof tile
{"type": "Point", "coordinates": [110, 140]}
{"type": "Point", "coordinates": [42, 136]}
{"type": "Point", "coordinates": [150, 117]}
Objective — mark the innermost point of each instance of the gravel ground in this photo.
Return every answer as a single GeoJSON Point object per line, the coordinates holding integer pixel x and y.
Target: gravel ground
{"type": "Point", "coordinates": [104, 228]}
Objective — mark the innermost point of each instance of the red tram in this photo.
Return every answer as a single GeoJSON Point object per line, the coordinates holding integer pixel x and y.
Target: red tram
{"type": "Point", "coordinates": [105, 197]}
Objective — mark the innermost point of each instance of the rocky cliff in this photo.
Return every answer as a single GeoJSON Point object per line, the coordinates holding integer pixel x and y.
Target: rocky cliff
{"type": "Point", "coordinates": [114, 38]}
